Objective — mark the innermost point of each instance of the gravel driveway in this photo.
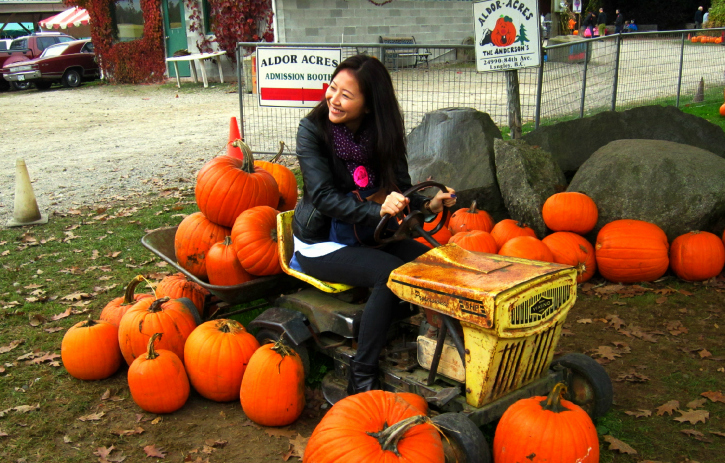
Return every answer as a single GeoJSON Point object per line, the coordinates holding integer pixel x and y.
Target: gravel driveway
{"type": "Point", "coordinates": [100, 144]}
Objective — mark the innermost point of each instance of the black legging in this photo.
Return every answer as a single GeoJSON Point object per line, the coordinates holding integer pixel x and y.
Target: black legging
{"type": "Point", "coordinates": [367, 267]}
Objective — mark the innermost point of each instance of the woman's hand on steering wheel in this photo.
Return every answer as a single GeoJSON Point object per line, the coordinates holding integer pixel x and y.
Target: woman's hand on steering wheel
{"type": "Point", "coordinates": [442, 199]}
{"type": "Point", "coordinates": [394, 203]}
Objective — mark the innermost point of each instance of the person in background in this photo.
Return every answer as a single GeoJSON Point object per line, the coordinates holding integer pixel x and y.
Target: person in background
{"type": "Point", "coordinates": [698, 18]}
{"type": "Point", "coordinates": [589, 24]}
{"type": "Point", "coordinates": [618, 22]}
{"type": "Point", "coordinates": [632, 26]}
{"type": "Point", "coordinates": [625, 29]}
{"type": "Point", "coordinates": [706, 16]}
{"type": "Point", "coordinates": [602, 22]}
{"type": "Point", "coordinates": [352, 154]}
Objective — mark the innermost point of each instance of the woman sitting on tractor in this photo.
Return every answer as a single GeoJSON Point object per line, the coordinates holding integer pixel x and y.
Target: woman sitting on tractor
{"type": "Point", "coordinates": [352, 154]}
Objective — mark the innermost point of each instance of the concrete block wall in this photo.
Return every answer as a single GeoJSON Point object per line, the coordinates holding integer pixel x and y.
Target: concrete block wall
{"type": "Point", "coordinates": [359, 21]}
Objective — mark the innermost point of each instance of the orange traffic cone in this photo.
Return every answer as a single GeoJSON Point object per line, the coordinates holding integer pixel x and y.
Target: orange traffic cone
{"type": "Point", "coordinates": [234, 134]}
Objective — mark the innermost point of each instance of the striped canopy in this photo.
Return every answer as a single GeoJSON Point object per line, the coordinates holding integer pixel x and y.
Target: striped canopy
{"type": "Point", "coordinates": [72, 17]}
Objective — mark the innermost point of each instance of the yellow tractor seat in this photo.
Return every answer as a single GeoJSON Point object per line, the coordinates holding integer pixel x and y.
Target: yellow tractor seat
{"type": "Point", "coordinates": [286, 247]}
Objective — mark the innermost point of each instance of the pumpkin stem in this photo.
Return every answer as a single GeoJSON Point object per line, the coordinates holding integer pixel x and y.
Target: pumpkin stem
{"type": "Point", "coordinates": [156, 305]}
{"type": "Point", "coordinates": [553, 401]}
{"type": "Point", "coordinates": [391, 435]}
{"type": "Point", "coordinates": [89, 322]}
{"type": "Point", "coordinates": [279, 153]}
{"type": "Point", "coordinates": [153, 290]}
{"type": "Point", "coordinates": [150, 351]}
{"type": "Point", "coordinates": [248, 161]}
{"type": "Point", "coordinates": [273, 234]}
{"type": "Point", "coordinates": [472, 209]}
{"type": "Point", "coordinates": [227, 326]}
{"type": "Point", "coordinates": [227, 240]}
{"type": "Point", "coordinates": [131, 290]}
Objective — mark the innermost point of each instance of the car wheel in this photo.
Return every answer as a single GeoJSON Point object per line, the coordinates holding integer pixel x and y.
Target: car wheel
{"type": "Point", "coordinates": [71, 78]}
{"type": "Point", "coordinates": [21, 85]}
{"type": "Point", "coordinates": [589, 384]}
{"type": "Point", "coordinates": [463, 441]}
{"type": "Point", "coordinates": [264, 336]}
{"type": "Point", "coordinates": [43, 85]}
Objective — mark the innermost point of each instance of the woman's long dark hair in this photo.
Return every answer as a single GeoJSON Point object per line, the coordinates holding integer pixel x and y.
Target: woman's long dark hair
{"type": "Point", "coordinates": [383, 118]}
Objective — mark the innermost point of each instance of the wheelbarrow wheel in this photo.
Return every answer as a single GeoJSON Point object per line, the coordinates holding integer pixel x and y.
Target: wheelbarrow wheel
{"type": "Point", "coordinates": [463, 441]}
{"type": "Point", "coordinates": [589, 384]}
{"type": "Point", "coordinates": [264, 336]}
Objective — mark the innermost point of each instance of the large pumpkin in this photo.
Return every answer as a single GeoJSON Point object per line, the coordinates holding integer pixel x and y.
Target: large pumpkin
{"type": "Point", "coordinates": [570, 211]}
{"type": "Point", "coordinates": [149, 316]}
{"type": "Point", "coordinates": [442, 236]}
{"type": "Point", "coordinates": [223, 267]}
{"type": "Point", "coordinates": [504, 32]}
{"type": "Point", "coordinates": [546, 429]}
{"type": "Point", "coordinates": [254, 237]}
{"type": "Point", "coordinates": [90, 350]}
{"type": "Point", "coordinates": [157, 380]}
{"type": "Point", "coordinates": [470, 219]}
{"type": "Point", "coordinates": [510, 228]}
{"type": "Point", "coordinates": [273, 386]}
{"type": "Point", "coordinates": [572, 249]}
{"type": "Point", "coordinates": [286, 181]}
{"type": "Point", "coordinates": [629, 251]}
{"type": "Point", "coordinates": [216, 355]}
{"type": "Point", "coordinates": [177, 286]}
{"type": "Point", "coordinates": [527, 247]}
{"type": "Point", "coordinates": [374, 427]}
{"type": "Point", "coordinates": [475, 240]}
{"type": "Point", "coordinates": [697, 256]}
{"type": "Point", "coordinates": [114, 310]}
{"type": "Point", "coordinates": [195, 235]}
{"type": "Point", "coordinates": [226, 186]}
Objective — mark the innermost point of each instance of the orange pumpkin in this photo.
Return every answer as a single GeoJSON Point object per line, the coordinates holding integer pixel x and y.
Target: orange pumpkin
{"type": "Point", "coordinates": [177, 286]}
{"type": "Point", "coordinates": [546, 429]}
{"type": "Point", "coordinates": [697, 256]}
{"type": "Point", "coordinates": [722, 110]}
{"type": "Point", "coordinates": [571, 249]}
{"type": "Point", "coordinates": [286, 181]}
{"type": "Point", "coordinates": [195, 235]}
{"type": "Point", "coordinates": [216, 355]}
{"type": "Point", "coordinates": [470, 219]}
{"type": "Point", "coordinates": [526, 247]}
{"type": "Point", "coordinates": [476, 240]}
{"type": "Point", "coordinates": [374, 426]}
{"type": "Point", "coordinates": [90, 350]}
{"type": "Point", "coordinates": [629, 251]}
{"type": "Point", "coordinates": [157, 380]}
{"type": "Point", "coordinates": [273, 386]}
{"type": "Point", "coordinates": [570, 211]}
{"type": "Point", "coordinates": [223, 267]}
{"type": "Point", "coordinates": [442, 235]}
{"type": "Point", "coordinates": [415, 400]}
{"type": "Point", "coordinates": [114, 310]}
{"type": "Point", "coordinates": [227, 186]}
{"type": "Point", "coordinates": [254, 236]}
{"type": "Point", "coordinates": [149, 316]}
{"type": "Point", "coordinates": [510, 228]}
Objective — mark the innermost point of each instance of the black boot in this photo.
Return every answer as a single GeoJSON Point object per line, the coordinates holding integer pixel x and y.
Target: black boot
{"type": "Point", "coordinates": [362, 377]}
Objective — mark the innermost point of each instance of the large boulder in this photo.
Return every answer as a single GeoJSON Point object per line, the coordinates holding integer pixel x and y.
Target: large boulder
{"type": "Point", "coordinates": [678, 187]}
{"type": "Point", "coordinates": [454, 147]}
{"type": "Point", "coordinates": [572, 142]}
{"type": "Point", "coordinates": [527, 176]}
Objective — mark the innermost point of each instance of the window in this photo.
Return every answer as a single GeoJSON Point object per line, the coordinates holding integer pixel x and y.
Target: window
{"type": "Point", "coordinates": [127, 18]}
{"type": "Point", "coordinates": [20, 44]}
{"type": "Point", "coordinates": [56, 50]}
{"type": "Point", "coordinates": [45, 42]}
{"type": "Point", "coordinates": [65, 38]}
{"type": "Point", "coordinates": [87, 48]}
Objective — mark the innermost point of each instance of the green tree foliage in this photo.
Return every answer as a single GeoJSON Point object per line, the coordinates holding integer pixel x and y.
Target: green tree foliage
{"type": "Point", "coordinates": [717, 14]}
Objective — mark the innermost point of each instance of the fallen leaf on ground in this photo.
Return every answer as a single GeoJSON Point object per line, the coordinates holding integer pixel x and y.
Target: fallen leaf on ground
{"type": "Point", "coordinates": [92, 416]}
{"type": "Point", "coordinates": [36, 319]}
{"type": "Point", "coordinates": [714, 396]}
{"type": "Point", "coordinates": [607, 352]}
{"type": "Point", "coordinates": [11, 346]}
{"type": "Point", "coordinates": [615, 321]}
{"type": "Point", "coordinates": [633, 377]}
{"type": "Point", "coordinates": [77, 296]}
{"type": "Point", "coordinates": [156, 420]}
{"type": "Point", "coordinates": [152, 451]}
{"type": "Point", "coordinates": [219, 443]}
{"type": "Point", "coordinates": [616, 444]}
{"type": "Point", "coordinates": [128, 432]}
{"type": "Point", "coordinates": [704, 354]}
{"type": "Point", "coordinates": [584, 320]}
{"type": "Point", "coordinates": [697, 403]}
{"type": "Point", "coordinates": [47, 357]}
{"type": "Point", "coordinates": [696, 434]}
{"type": "Point", "coordinates": [717, 433]}
{"type": "Point", "coordinates": [104, 452]}
{"type": "Point", "coordinates": [661, 300]}
{"type": "Point", "coordinates": [668, 408]}
{"type": "Point", "coordinates": [3, 433]}
{"type": "Point", "coordinates": [640, 413]}
{"type": "Point", "coordinates": [280, 432]}
{"type": "Point", "coordinates": [693, 416]}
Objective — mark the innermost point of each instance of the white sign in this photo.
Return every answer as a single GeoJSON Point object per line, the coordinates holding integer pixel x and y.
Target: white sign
{"type": "Point", "coordinates": [294, 77]}
{"type": "Point", "coordinates": [508, 34]}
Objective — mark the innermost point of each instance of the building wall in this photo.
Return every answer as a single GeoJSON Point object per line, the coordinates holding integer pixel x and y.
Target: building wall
{"type": "Point", "coordinates": [359, 21]}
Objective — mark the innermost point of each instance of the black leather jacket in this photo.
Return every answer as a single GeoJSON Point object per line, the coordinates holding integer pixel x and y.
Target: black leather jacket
{"type": "Point", "coordinates": [326, 184]}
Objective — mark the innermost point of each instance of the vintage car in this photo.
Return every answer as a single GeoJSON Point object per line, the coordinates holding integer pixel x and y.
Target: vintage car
{"type": "Point", "coordinates": [68, 63]}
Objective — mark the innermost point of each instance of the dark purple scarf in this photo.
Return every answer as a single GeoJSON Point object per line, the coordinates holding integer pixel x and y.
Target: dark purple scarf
{"type": "Point", "coordinates": [356, 151]}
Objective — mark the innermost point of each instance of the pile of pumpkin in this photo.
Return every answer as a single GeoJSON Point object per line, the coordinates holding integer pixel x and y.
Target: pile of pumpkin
{"type": "Point", "coordinates": [705, 39]}
{"type": "Point", "coordinates": [233, 239]}
{"type": "Point", "coordinates": [625, 251]}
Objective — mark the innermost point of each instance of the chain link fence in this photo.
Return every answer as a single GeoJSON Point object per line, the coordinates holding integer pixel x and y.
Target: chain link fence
{"type": "Point", "coordinates": [577, 79]}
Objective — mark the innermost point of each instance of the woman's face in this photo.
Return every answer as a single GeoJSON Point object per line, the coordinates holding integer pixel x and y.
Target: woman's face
{"type": "Point", "coordinates": [345, 101]}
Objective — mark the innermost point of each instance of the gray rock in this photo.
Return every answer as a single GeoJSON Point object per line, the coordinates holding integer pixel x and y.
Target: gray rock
{"type": "Point", "coordinates": [527, 176]}
{"type": "Point", "coordinates": [678, 187]}
{"type": "Point", "coordinates": [572, 142]}
{"type": "Point", "coordinates": [454, 146]}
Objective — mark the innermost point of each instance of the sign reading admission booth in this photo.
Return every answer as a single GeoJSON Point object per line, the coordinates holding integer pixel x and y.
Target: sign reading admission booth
{"type": "Point", "coordinates": [507, 34]}
{"type": "Point", "coordinates": [294, 77]}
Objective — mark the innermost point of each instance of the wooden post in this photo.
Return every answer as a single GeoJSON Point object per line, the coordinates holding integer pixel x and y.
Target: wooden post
{"type": "Point", "coordinates": [514, 103]}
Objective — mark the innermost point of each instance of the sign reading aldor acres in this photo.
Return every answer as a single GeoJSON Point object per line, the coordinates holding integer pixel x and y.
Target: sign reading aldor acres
{"type": "Point", "coordinates": [507, 34]}
{"type": "Point", "coordinates": [294, 77]}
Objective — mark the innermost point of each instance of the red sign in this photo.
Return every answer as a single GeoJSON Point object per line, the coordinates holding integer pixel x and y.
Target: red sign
{"type": "Point", "coordinates": [294, 94]}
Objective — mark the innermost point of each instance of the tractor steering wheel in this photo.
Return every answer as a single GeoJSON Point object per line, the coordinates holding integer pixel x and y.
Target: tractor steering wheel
{"type": "Point", "coordinates": [414, 220]}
